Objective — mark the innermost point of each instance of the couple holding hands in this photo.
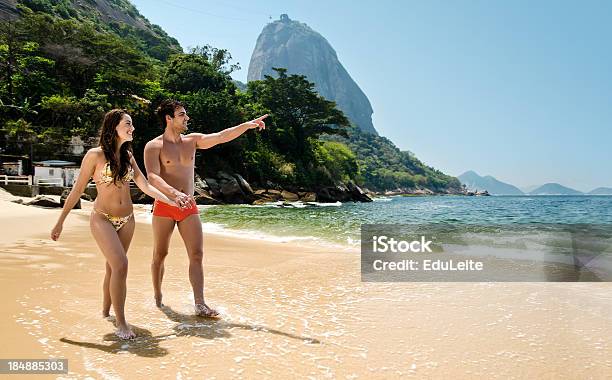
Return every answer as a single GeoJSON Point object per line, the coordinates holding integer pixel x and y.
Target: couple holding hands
{"type": "Point", "coordinates": [169, 162]}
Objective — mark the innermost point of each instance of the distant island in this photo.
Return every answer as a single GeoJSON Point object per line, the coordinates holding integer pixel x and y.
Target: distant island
{"type": "Point", "coordinates": [601, 191]}
{"type": "Point", "coordinates": [474, 182]}
{"type": "Point", "coordinates": [555, 189]}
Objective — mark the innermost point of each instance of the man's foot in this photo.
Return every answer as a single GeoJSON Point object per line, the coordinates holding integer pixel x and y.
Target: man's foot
{"type": "Point", "coordinates": [202, 310]}
{"type": "Point", "coordinates": [158, 300]}
{"type": "Point", "coordinates": [125, 333]}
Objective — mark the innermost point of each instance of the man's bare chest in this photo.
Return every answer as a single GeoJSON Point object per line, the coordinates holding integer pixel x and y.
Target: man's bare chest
{"type": "Point", "coordinates": [177, 155]}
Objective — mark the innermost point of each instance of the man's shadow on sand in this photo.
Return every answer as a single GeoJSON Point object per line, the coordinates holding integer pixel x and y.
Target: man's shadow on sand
{"type": "Point", "coordinates": [211, 328]}
{"type": "Point", "coordinates": [147, 345]}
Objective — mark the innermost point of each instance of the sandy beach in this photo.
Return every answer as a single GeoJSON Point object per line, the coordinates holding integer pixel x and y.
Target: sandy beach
{"type": "Point", "coordinates": [289, 310]}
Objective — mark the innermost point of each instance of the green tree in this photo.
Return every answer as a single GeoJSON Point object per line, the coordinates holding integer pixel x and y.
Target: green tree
{"type": "Point", "coordinates": [336, 161]}
{"type": "Point", "coordinates": [192, 72]}
{"type": "Point", "coordinates": [67, 116]}
{"type": "Point", "coordinates": [219, 58]}
{"type": "Point", "coordinates": [299, 115]}
{"type": "Point", "coordinates": [24, 71]}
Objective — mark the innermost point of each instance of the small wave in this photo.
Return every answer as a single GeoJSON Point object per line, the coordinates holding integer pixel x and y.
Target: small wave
{"type": "Point", "coordinates": [300, 204]}
{"type": "Point", "coordinates": [382, 199]}
{"type": "Point", "coordinates": [295, 204]}
{"type": "Point", "coordinates": [220, 229]}
{"type": "Point", "coordinates": [319, 204]}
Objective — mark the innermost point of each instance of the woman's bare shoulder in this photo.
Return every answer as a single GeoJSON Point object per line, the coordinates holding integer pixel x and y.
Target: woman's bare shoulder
{"type": "Point", "coordinates": [94, 154]}
{"type": "Point", "coordinates": [95, 151]}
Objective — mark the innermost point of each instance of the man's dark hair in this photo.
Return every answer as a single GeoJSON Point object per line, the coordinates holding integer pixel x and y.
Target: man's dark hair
{"type": "Point", "coordinates": [167, 107]}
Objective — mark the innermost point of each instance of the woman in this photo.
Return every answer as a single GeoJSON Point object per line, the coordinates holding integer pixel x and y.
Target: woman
{"type": "Point", "coordinates": [112, 167]}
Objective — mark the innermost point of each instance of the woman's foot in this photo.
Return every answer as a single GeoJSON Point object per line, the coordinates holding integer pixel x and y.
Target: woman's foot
{"type": "Point", "coordinates": [125, 332]}
{"type": "Point", "coordinates": [202, 310]}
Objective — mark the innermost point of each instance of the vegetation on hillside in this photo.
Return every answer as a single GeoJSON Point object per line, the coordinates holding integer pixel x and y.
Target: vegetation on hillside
{"type": "Point", "coordinates": [62, 67]}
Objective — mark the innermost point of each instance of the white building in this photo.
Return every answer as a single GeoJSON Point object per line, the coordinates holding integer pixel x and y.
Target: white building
{"type": "Point", "coordinates": [55, 172]}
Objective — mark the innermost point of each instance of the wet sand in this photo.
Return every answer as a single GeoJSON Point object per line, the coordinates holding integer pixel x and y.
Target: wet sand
{"type": "Point", "coordinates": [288, 311]}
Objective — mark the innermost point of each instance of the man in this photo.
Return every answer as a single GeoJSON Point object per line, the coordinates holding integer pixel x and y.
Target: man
{"type": "Point", "coordinates": [169, 160]}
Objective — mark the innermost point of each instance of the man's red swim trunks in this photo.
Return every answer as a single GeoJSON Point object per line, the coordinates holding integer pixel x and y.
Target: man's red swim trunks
{"type": "Point", "coordinates": [176, 213]}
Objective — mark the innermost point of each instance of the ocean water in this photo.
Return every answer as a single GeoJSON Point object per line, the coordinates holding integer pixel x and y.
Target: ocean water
{"type": "Point", "coordinates": [523, 238]}
{"type": "Point", "coordinates": [340, 223]}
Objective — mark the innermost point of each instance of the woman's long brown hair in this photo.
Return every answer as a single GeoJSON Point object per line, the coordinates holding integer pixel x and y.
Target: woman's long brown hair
{"type": "Point", "coordinates": [108, 138]}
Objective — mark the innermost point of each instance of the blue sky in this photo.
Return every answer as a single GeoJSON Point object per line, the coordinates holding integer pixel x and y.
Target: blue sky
{"type": "Point", "coordinates": [519, 90]}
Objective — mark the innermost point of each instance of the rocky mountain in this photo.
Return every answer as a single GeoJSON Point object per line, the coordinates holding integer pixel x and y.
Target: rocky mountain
{"type": "Point", "coordinates": [296, 47]}
{"type": "Point", "coordinates": [240, 85]}
{"type": "Point", "coordinates": [116, 16]}
{"type": "Point", "coordinates": [475, 182]}
{"type": "Point", "coordinates": [8, 10]}
{"type": "Point", "coordinates": [601, 191]}
{"type": "Point", "coordinates": [554, 189]}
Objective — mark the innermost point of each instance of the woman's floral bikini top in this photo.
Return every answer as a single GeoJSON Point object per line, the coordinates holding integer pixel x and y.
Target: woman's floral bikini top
{"type": "Point", "coordinates": [106, 175]}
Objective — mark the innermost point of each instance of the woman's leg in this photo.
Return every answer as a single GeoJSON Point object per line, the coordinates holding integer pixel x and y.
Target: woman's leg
{"type": "Point", "coordinates": [125, 236]}
{"type": "Point", "coordinates": [112, 249]}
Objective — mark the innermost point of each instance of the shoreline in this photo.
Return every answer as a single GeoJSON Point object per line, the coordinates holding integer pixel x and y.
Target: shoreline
{"type": "Point", "coordinates": [222, 231]}
{"type": "Point", "coordinates": [288, 310]}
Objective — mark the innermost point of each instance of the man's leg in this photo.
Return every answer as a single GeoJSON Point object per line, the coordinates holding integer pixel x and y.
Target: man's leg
{"type": "Point", "coordinates": [162, 232]}
{"type": "Point", "coordinates": [190, 229]}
